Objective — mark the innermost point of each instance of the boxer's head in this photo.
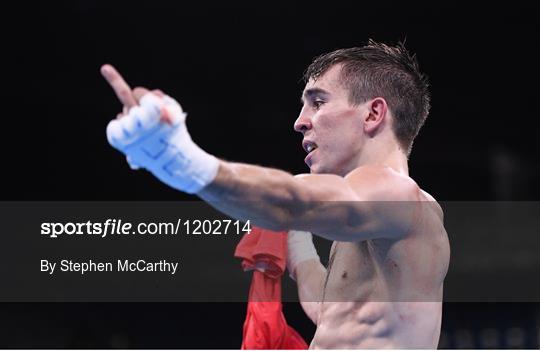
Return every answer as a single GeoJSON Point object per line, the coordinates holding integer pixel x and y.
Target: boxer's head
{"type": "Point", "coordinates": [361, 102]}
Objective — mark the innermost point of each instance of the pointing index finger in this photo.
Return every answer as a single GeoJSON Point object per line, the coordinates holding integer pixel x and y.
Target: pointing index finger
{"type": "Point", "coordinates": [119, 85]}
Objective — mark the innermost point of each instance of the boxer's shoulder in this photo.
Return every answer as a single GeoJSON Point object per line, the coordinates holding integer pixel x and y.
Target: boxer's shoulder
{"type": "Point", "coordinates": [381, 183]}
{"type": "Point", "coordinates": [432, 203]}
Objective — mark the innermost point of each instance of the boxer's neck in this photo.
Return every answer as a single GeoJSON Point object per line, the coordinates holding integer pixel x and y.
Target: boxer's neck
{"type": "Point", "coordinates": [389, 154]}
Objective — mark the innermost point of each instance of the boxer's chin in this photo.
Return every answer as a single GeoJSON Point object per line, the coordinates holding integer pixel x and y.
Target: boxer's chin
{"type": "Point", "coordinates": [315, 168]}
{"type": "Point", "coordinates": [321, 168]}
{"type": "Point", "coordinates": [316, 164]}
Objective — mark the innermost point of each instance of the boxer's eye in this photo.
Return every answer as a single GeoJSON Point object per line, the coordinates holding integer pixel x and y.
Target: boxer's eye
{"type": "Point", "coordinates": [317, 104]}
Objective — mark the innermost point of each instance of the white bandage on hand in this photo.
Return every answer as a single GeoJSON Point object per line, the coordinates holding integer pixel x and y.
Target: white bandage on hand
{"type": "Point", "coordinates": [300, 248]}
{"type": "Point", "coordinates": [162, 147]}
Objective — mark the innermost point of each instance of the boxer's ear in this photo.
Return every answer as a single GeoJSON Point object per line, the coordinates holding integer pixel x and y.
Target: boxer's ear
{"type": "Point", "coordinates": [377, 113]}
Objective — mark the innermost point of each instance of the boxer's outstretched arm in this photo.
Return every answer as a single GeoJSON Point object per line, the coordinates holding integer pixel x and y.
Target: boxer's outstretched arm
{"type": "Point", "coordinates": [334, 207]}
{"type": "Point", "coordinates": [153, 135]}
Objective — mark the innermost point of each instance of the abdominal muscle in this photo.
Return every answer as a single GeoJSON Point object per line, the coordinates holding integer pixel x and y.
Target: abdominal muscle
{"type": "Point", "coordinates": [382, 295]}
{"type": "Point", "coordinates": [385, 293]}
{"type": "Point", "coordinates": [374, 325]}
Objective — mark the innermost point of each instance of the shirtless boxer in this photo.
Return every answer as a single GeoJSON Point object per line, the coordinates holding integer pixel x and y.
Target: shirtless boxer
{"type": "Point", "coordinates": [362, 109]}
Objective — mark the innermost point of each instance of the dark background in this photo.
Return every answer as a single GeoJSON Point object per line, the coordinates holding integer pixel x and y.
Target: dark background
{"type": "Point", "coordinates": [236, 67]}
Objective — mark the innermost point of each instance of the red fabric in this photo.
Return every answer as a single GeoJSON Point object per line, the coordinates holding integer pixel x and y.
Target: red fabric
{"type": "Point", "coordinates": [265, 327]}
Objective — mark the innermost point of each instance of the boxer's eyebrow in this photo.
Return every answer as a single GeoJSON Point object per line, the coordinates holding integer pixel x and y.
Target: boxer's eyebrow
{"type": "Point", "coordinates": [312, 92]}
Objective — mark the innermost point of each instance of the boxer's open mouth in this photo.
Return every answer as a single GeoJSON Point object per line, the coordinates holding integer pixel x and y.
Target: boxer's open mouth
{"type": "Point", "coordinates": [309, 146]}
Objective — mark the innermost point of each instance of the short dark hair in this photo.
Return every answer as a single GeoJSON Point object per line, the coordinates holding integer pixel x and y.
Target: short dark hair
{"type": "Point", "coordinates": [380, 70]}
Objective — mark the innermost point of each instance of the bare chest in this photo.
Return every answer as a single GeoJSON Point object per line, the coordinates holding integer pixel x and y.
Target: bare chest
{"type": "Point", "coordinates": [356, 271]}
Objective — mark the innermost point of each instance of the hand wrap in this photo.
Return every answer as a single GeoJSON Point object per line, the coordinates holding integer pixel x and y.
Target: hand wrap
{"type": "Point", "coordinates": [300, 248]}
{"type": "Point", "coordinates": [154, 136]}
